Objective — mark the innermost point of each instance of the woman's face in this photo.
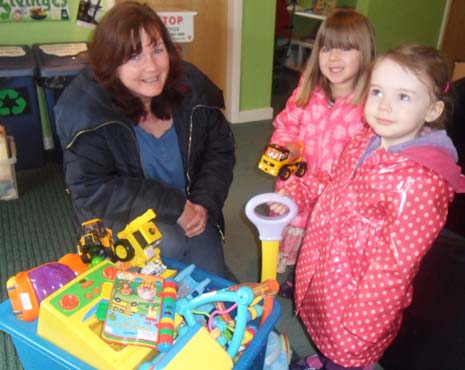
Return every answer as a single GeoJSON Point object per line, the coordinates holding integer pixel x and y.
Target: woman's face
{"type": "Point", "coordinates": [145, 74]}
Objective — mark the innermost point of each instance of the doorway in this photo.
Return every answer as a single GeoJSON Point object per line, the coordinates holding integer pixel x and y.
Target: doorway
{"type": "Point", "coordinates": [451, 43]}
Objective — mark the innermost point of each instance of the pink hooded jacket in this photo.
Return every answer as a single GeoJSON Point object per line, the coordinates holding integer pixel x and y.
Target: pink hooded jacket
{"type": "Point", "coordinates": [368, 231]}
{"type": "Point", "coordinates": [323, 129]}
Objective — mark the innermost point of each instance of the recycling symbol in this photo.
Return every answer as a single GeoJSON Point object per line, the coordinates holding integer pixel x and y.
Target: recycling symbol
{"type": "Point", "coordinates": [5, 11]}
{"type": "Point", "coordinates": [11, 103]}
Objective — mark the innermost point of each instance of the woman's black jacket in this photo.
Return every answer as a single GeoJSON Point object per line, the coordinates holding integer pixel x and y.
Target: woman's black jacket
{"type": "Point", "coordinates": [102, 165]}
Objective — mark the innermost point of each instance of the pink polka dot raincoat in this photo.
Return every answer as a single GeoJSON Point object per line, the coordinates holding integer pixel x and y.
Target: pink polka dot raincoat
{"type": "Point", "coordinates": [364, 241]}
{"type": "Point", "coordinates": [323, 129]}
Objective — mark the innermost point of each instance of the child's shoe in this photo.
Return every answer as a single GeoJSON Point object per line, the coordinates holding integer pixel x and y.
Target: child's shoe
{"type": "Point", "coordinates": [312, 362]}
{"type": "Point", "coordinates": [286, 289]}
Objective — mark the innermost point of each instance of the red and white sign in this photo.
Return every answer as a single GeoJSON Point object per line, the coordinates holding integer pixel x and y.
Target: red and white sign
{"type": "Point", "coordinates": [180, 24]}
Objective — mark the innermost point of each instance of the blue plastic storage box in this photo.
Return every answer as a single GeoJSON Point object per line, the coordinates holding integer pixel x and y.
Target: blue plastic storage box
{"type": "Point", "coordinates": [37, 353]}
{"type": "Point", "coordinates": [19, 109]}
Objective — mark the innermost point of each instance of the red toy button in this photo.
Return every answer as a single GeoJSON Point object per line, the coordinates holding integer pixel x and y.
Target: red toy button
{"type": "Point", "coordinates": [69, 302]}
{"type": "Point", "coordinates": [110, 272]}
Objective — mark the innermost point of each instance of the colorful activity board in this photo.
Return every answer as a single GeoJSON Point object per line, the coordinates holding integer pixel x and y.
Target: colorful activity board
{"type": "Point", "coordinates": [68, 319]}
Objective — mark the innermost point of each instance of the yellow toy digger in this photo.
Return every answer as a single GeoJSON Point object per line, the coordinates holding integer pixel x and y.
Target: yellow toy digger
{"type": "Point", "coordinates": [95, 239]}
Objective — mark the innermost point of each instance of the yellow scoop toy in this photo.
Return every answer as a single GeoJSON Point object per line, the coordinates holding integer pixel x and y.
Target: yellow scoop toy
{"type": "Point", "coordinates": [270, 229]}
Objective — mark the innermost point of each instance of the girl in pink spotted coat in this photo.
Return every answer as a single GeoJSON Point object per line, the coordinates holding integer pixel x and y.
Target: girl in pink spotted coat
{"type": "Point", "coordinates": [378, 215]}
{"type": "Point", "coordinates": [324, 110]}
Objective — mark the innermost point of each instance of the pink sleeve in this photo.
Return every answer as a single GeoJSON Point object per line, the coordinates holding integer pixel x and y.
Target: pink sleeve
{"type": "Point", "coordinates": [414, 217]}
{"type": "Point", "coordinates": [287, 122]}
{"type": "Point", "coordinates": [306, 190]}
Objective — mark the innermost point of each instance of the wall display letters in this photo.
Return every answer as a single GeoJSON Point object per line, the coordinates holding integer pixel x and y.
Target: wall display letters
{"type": "Point", "coordinates": [33, 10]}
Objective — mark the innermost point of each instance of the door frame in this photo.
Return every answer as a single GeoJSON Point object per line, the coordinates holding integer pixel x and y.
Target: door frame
{"type": "Point", "coordinates": [233, 70]}
{"type": "Point", "coordinates": [445, 19]}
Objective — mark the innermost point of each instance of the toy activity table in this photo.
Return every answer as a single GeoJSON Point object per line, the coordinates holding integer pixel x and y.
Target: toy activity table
{"type": "Point", "coordinates": [35, 352]}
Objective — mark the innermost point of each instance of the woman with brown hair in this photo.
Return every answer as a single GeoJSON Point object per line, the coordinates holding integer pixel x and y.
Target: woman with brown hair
{"type": "Point", "coordinates": [142, 129]}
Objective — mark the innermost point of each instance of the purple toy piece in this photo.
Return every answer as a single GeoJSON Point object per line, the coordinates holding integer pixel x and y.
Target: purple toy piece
{"type": "Point", "coordinates": [48, 278]}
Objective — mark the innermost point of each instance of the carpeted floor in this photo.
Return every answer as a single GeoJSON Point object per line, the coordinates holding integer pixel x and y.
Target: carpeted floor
{"type": "Point", "coordinates": [34, 229]}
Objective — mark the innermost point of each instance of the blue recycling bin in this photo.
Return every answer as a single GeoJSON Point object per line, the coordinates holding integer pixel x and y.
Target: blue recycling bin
{"type": "Point", "coordinates": [58, 64]}
{"type": "Point", "coordinates": [19, 108]}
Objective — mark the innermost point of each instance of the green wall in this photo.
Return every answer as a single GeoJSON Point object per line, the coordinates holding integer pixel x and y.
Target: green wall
{"type": "Point", "coordinates": [404, 21]}
{"type": "Point", "coordinates": [257, 53]}
{"type": "Point", "coordinates": [43, 31]}
{"type": "Point", "coordinates": [395, 21]}
{"type": "Point", "coordinates": [257, 45]}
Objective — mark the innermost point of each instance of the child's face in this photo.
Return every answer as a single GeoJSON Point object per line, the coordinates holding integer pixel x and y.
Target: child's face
{"type": "Point", "coordinates": [398, 103]}
{"type": "Point", "coordinates": [340, 66]}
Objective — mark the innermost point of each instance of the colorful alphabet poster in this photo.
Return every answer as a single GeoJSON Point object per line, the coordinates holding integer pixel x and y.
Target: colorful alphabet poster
{"type": "Point", "coordinates": [33, 10]}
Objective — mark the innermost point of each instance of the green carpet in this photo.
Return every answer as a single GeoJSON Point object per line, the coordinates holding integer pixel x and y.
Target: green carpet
{"type": "Point", "coordinates": [34, 229]}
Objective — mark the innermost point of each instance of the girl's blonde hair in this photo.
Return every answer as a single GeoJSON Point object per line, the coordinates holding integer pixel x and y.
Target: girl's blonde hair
{"type": "Point", "coordinates": [430, 68]}
{"type": "Point", "coordinates": [343, 28]}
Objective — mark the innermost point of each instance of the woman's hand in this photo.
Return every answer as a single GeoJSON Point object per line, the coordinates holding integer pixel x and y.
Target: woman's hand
{"type": "Point", "coordinates": [193, 219]}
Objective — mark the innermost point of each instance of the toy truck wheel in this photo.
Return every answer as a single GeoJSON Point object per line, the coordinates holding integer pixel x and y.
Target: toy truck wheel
{"type": "Point", "coordinates": [86, 257]}
{"type": "Point", "coordinates": [284, 173]}
{"type": "Point", "coordinates": [124, 250]}
{"type": "Point", "coordinates": [301, 169]}
{"type": "Point", "coordinates": [109, 253]}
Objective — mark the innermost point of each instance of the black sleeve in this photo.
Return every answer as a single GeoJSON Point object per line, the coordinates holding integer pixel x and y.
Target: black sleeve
{"type": "Point", "coordinates": [214, 160]}
{"type": "Point", "coordinates": [104, 177]}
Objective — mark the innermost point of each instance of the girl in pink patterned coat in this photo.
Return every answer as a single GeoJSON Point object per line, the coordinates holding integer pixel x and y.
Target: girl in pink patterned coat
{"type": "Point", "coordinates": [378, 215]}
{"type": "Point", "coordinates": [324, 110]}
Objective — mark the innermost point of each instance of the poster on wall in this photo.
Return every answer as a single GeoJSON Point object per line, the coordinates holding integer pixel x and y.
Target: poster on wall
{"type": "Point", "coordinates": [33, 10]}
{"type": "Point", "coordinates": [91, 11]}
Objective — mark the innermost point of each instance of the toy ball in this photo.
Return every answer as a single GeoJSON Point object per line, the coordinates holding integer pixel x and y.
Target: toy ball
{"type": "Point", "coordinates": [95, 261]}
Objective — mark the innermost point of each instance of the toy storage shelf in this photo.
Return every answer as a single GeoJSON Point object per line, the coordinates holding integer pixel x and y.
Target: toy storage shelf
{"type": "Point", "coordinates": [299, 49]}
{"type": "Point", "coordinates": [309, 14]}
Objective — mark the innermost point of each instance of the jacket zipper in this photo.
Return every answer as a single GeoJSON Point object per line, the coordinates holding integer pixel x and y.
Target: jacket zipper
{"type": "Point", "coordinates": [189, 147]}
{"type": "Point", "coordinates": [79, 133]}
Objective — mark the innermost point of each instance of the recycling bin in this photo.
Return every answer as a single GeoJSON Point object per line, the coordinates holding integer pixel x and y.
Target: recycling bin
{"type": "Point", "coordinates": [8, 186]}
{"type": "Point", "coordinates": [58, 64]}
{"type": "Point", "coordinates": [19, 109]}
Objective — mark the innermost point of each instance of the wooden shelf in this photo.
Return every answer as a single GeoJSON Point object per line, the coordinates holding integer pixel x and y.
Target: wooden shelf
{"type": "Point", "coordinates": [304, 12]}
{"type": "Point", "coordinates": [310, 14]}
{"type": "Point", "coordinates": [299, 49]}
